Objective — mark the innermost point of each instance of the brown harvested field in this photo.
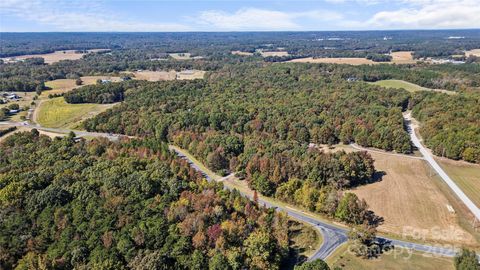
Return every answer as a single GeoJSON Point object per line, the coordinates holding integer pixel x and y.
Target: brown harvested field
{"type": "Point", "coordinates": [466, 176]}
{"type": "Point", "coordinates": [474, 52]}
{"type": "Point", "coordinates": [55, 56]}
{"type": "Point", "coordinates": [242, 53]}
{"type": "Point", "coordinates": [410, 201]}
{"type": "Point", "coordinates": [274, 53]}
{"type": "Point", "coordinates": [155, 75]}
{"type": "Point", "coordinates": [342, 60]}
{"type": "Point", "coordinates": [397, 58]}
{"type": "Point", "coordinates": [60, 86]}
{"type": "Point", "coordinates": [402, 58]}
{"type": "Point", "coordinates": [180, 56]}
{"type": "Point", "coordinates": [87, 80]}
{"type": "Point", "coordinates": [190, 74]}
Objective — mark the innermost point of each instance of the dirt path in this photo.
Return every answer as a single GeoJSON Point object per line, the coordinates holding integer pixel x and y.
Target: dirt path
{"type": "Point", "coordinates": [358, 147]}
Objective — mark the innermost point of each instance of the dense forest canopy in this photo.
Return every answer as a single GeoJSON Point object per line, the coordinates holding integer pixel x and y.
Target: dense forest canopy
{"type": "Point", "coordinates": [260, 122]}
{"type": "Point", "coordinates": [128, 205]}
{"type": "Point", "coordinates": [424, 42]}
{"type": "Point", "coordinates": [450, 124]}
{"type": "Point", "coordinates": [135, 205]}
{"type": "Point", "coordinates": [275, 111]}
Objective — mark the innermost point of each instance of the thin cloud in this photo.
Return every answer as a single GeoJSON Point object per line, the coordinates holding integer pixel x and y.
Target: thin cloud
{"type": "Point", "coordinates": [94, 15]}
{"type": "Point", "coordinates": [262, 19]}
{"type": "Point", "coordinates": [248, 19]}
{"type": "Point", "coordinates": [429, 14]}
{"type": "Point", "coordinates": [78, 16]}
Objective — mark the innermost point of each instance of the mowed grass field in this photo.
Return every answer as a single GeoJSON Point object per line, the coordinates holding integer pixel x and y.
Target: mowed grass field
{"type": "Point", "coordinates": [466, 176]}
{"type": "Point", "coordinates": [404, 57]}
{"type": "Point", "coordinates": [411, 87]}
{"type": "Point", "coordinates": [154, 76]}
{"type": "Point", "coordinates": [56, 113]}
{"type": "Point", "coordinates": [408, 198]}
{"type": "Point", "coordinates": [241, 53]}
{"type": "Point", "coordinates": [180, 56]}
{"type": "Point", "coordinates": [396, 259]}
{"type": "Point", "coordinates": [60, 86]}
{"type": "Point", "coordinates": [273, 53]}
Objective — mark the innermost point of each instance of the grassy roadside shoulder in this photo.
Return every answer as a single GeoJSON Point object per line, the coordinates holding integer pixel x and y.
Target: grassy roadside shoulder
{"type": "Point", "coordinates": [400, 259]}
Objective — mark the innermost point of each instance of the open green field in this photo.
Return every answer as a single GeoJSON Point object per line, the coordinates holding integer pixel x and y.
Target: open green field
{"type": "Point", "coordinates": [56, 113]}
{"type": "Point", "coordinates": [467, 177]}
{"type": "Point", "coordinates": [410, 87]}
{"type": "Point", "coordinates": [396, 259]}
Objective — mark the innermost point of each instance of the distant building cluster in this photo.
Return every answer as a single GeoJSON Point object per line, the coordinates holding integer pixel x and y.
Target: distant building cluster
{"type": "Point", "coordinates": [446, 61]}
{"type": "Point", "coordinates": [9, 60]}
{"type": "Point", "coordinates": [7, 97]}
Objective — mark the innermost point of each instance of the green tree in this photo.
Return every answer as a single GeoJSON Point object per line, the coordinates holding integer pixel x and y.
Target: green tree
{"type": "Point", "coordinates": [351, 209]}
{"type": "Point", "coordinates": [362, 240]}
{"type": "Point", "coordinates": [466, 260]}
{"type": "Point", "coordinates": [260, 250]}
{"type": "Point", "coordinates": [218, 262]}
{"type": "Point", "coordinates": [14, 106]}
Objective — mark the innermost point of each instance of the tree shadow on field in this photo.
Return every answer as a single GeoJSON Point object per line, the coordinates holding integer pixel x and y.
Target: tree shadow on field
{"type": "Point", "coordinates": [377, 177]}
{"type": "Point", "coordinates": [373, 219]}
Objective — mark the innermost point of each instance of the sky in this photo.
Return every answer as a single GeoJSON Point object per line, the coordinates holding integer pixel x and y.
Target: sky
{"type": "Point", "coordinates": [231, 15]}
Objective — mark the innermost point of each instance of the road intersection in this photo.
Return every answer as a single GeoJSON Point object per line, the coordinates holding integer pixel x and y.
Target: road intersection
{"type": "Point", "coordinates": [333, 235]}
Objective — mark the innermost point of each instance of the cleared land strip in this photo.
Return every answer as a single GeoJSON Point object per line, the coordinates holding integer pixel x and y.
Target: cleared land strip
{"type": "Point", "coordinates": [429, 158]}
{"type": "Point", "coordinates": [358, 147]}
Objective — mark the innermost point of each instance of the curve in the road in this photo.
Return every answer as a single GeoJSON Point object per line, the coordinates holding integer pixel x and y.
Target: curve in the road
{"type": "Point", "coordinates": [333, 236]}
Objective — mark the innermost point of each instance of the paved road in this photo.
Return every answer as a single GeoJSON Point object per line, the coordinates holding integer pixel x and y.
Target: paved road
{"type": "Point", "coordinates": [110, 136]}
{"type": "Point", "coordinates": [333, 235]}
{"type": "Point", "coordinates": [429, 158]}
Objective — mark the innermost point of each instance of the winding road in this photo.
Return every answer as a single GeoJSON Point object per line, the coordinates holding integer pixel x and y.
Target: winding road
{"type": "Point", "coordinates": [333, 235]}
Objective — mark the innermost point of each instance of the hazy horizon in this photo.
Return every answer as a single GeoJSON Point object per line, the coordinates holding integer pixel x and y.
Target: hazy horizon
{"type": "Point", "coordinates": [237, 16]}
